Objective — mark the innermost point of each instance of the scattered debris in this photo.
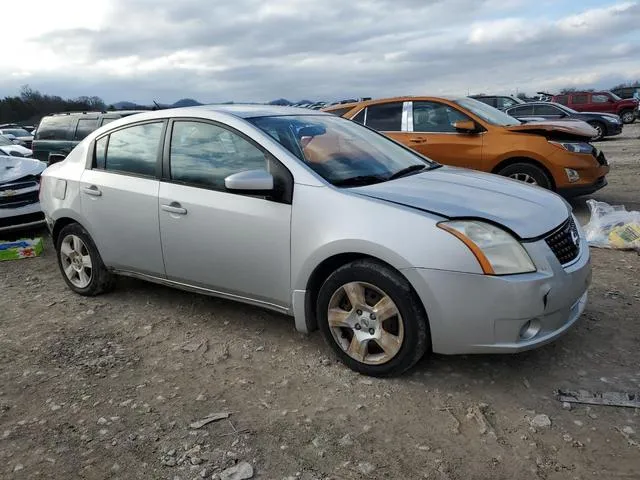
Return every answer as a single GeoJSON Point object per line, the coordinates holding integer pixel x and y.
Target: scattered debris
{"type": "Point", "coordinates": [214, 417]}
{"type": "Point", "coordinates": [456, 423]}
{"type": "Point", "coordinates": [625, 433]}
{"type": "Point", "coordinates": [612, 399]}
{"type": "Point", "coordinates": [566, 405]}
{"type": "Point", "coordinates": [478, 412]}
{"type": "Point", "coordinates": [241, 471]}
{"type": "Point", "coordinates": [366, 468]}
{"type": "Point", "coordinates": [540, 421]}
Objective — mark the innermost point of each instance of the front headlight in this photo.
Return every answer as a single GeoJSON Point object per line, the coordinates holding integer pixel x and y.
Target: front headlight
{"type": "Point", "coordinates": [612, 119]}
{"type": "Point", "coordinates": [496, 250]}
{"type": "Point", "coordinates": [575, 147]}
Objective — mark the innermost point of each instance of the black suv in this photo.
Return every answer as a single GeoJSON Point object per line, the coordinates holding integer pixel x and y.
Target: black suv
{"type": "Point", "coordinates": [606, 124]}
{"type": "Point", "coordinates": [58, 133]}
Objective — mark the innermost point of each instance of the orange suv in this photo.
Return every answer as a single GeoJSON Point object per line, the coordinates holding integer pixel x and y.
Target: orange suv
{"type": "Point", "coordinates": [467, 133]}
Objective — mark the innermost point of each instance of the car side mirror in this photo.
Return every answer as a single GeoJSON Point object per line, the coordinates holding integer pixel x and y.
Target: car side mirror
{"type": "Point", "coordinates": [250, 181]}
{"type": "Point", "coordinates": [465, 126]}
{"type": "Point", "coordinates": [55, 158]}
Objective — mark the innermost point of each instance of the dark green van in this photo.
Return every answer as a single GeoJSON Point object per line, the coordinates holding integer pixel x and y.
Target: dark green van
{"type": "Point", "coordinates": [58, 133]}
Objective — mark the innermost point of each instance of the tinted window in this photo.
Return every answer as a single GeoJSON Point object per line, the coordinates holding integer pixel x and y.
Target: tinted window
{"type": "Point", "coordinates": [134, 149]}
{"type": "Point", "coordinates": [547, 110]}
{"type": "Point", "coordinates": [101, 150]}
{"type": "Point", "coordinates": [360, 116]}
{"type": "Point", "coordinates": [491, 101]}
{"type": "Point", "coordinates": [205, 154]}
{"type": "Point", "coordinates": [599, 98]}
{"type": "Point", "coordinates": [85, 127]}
{"type": "Point", "coordinates": [580, 99]}
{"type": "Point", "coordinates": [521, 110]}
{"type": "Point", "coordinates": [386, 117]}
{"type": "Point", "coordinates": [563, 99]}
{"type": "Point", "coordinates": [435, 117]}
{"type": "Point", "coordinates": [56, 128]}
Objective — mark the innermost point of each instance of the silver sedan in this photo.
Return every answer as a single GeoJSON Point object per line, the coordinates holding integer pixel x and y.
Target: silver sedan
{"type": "Point", "coordinates": [388, 253]}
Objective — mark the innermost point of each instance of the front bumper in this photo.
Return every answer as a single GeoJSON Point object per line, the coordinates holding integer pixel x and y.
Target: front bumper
{"type": "Point", "coordinates": [613, 129]}
{"type": "Point", "coordinates": [21, 218]}
{"type": "Point", "coordinates": [581, 189]}
{"type": "Point", "coordinates": [470, 313]}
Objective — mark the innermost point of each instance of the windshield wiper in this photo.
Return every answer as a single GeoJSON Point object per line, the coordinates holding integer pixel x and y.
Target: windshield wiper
{"type": "Point", "coordinates": [359, 181]}
{"type": "Point", "coordinates": [406, 171]}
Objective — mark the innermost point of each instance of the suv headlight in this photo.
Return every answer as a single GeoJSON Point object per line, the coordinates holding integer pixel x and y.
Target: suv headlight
{"type": "Point", "coordinates": [496, 250]}
{"type": "Point", "coordinates": [575, 147]}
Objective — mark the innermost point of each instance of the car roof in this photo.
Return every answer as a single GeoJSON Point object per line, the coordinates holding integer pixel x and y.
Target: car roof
{"type": "Point", "coordinates": [238, 110]}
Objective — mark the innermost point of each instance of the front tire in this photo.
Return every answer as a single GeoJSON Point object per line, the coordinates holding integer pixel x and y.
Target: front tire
{"type": "Point", "coordinates": [372, 319]}
{"type": "Point", "coordinates": [80, 262]}
{"type": "Point", "coordinates": [600, 128]}
{"type": "Point", "coordinates": [627, 116]}
{"type": "Point", "coordinates": [527, 173]}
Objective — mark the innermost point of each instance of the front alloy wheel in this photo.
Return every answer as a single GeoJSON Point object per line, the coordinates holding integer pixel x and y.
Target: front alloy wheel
{"type": "Point", "coordinates": [371, 317]}
{"type": "Point", "coordinates": [76, 261]}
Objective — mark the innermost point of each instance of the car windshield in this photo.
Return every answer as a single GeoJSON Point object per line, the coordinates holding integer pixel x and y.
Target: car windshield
{"type": "Point", "coordinates": [343, 152]}
{"type": "Point", "coordinates": [614, 96]}
{"type": "Point", "coordinates": [487, 113]}
{"type": "Point", "coordinates": [4, 141]}
{"type": "Point", "coordinates": [18, 132]}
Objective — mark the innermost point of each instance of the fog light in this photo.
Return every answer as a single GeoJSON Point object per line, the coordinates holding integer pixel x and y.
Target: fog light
{"type": "Point", "coordinates": [572, 175]}
{"type": "Point", "coordinates": [530, 329]}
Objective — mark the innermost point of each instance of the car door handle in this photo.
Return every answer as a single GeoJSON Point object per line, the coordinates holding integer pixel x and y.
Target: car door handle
{"type": "Point", "coordinates": [418, 140]}
{"type": "Point", "coordinates": [92, 190]}
{"type": "Point", "coordinates": [174, 207]}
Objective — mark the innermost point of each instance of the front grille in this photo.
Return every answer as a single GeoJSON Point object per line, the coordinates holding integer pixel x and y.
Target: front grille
{"type": "Point", "coordinates": [564, 242]}
{"type": "Point", "coordinates": [19, 194]}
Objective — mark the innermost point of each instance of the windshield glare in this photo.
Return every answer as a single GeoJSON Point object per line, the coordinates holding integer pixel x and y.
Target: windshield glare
{"type": "Point", "coordinates": [341, 151]}
{"type": "Point", "coordinates": [487, 113]}
{"type": "Point", "coordinates": [18, 132]}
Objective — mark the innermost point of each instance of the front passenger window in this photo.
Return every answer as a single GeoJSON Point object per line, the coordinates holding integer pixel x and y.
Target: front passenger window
{"type": "Point", "coordinates": [432, 117]}
{"type": "Point", "coordinates": [205, 154]}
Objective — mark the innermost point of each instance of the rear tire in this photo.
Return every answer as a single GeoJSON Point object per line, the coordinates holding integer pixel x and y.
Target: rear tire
{"type": "Point", "coordinates": [80, 262]}
{"type": "Point", "coordinates": [627, 116]}
{"type": "Point", "coordinates": [527, 173]}
{"type": "Point", "coordinates": [600, 128]}
{"type": "Point", "coordinates": [378, 325]}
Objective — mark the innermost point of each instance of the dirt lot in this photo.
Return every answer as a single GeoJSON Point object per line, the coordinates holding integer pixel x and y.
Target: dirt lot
{"type": "Point", "coordinates": [108, 387]}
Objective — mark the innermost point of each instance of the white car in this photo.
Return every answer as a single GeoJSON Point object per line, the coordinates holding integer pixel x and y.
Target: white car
{"type": "Point", "coordinates": [7, 147]}
{"type": "Point", "coordinates": [19, 189]}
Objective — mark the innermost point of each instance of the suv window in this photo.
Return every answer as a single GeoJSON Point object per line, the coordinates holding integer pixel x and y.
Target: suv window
{"type": "Point", "coordinates": [85, 127]}
{"type": "Point", "coordinates": [386, 117]}
{"type": "Point", "coordinates": [563, 99]}
{"type": "Point", "coordinates": [56, 128]}
{"type": "Point", "coordinates": [547, 110]}
{"type": "Point", "coordinates": [580, 99]}
{"type": "Point", "coordinates": [600, 98]}
{"type": "Point", "coordinates": [435, 117]}
{"type": "Point", "coordinates": [521, 110]}
{"type": "Point", "coordinates": [132, 150]}
{"type": "Point", "coordinates": [205, 154]}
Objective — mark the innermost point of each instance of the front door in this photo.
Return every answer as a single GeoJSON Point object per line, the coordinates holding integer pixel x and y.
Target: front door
{"type": "Point", "coordinates": [234, 244]}
{"type": "Point", "coordinates": [119, 199]}
{"type": "Point", "coordinates": [432, 134]}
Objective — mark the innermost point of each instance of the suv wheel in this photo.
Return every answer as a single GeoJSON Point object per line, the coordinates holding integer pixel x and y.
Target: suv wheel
{"type": "Point", "coordinates": [628, 116]}
{"type": "Point", "coordinates": [372, 319]}
{"type": "Point", "coordinates": [80, 263]}
{"type": "Point", "coordinates": [527, 173]}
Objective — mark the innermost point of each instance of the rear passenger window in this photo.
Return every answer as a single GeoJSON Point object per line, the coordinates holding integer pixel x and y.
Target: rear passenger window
{"type": "Point", "coordinates": [521, 110]}
{"type": "Point", "coordinates": [134, 149]}
{"type": "Point", "coordinates": [580, 99]}
{"type": "Point", "coordinates": [563, 99]}
{"type": "Point", "coordinates": [85, 127]}
{"type": "Point", "coordinates": [386, 117]}
{"type": "Point", "coordinates": [56, 128]}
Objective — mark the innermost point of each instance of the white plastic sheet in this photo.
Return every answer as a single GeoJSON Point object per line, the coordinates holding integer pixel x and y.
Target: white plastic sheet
{"type": "Point", "coordinates": [613, 227]}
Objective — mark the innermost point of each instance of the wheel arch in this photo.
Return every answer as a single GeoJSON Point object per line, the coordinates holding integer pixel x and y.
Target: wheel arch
{"type": "Point", "coordinates": [513, 160]}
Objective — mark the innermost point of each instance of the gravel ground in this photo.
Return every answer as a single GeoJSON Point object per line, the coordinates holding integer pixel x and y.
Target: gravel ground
{"type": "Point", "coordinates": [110, 387]}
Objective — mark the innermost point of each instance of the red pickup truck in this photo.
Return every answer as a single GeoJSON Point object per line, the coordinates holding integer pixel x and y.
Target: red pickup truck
{"type": "Point", "coordinates": [601, 102]}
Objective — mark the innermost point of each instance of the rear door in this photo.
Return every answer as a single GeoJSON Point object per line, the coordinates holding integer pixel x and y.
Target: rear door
{"type": "Point", "coordinates": [432, 133]}
{"type": "Point", "coordinates": [119, 198]}
{"type": "Point", "coordinates": [580, 102]}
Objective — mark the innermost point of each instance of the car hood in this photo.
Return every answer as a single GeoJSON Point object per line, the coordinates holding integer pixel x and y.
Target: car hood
{"type": "Point", "coordinates": [452, 192]}
{"type": "Point", "coordinates": [557, 127]}
{"type": "Point", "coordinates": [16, 148]}
{"type": "Point", "coordinates": [15, 168]}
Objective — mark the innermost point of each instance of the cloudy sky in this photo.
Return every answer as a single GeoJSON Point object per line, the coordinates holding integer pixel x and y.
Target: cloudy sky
{"type": "Point", "coordinates": [258, 50]}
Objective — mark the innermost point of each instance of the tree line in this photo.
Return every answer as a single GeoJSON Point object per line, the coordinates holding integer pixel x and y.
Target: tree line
{"type": "Point", "coordinates": [31, 105]}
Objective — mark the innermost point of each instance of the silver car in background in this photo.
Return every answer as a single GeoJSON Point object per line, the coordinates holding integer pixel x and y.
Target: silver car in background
{"type": "Point", "coordinates": [389, 254]}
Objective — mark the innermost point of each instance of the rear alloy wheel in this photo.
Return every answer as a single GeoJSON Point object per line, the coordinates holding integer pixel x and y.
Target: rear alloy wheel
{"type": "Point", "coordinates": [527, 173]}
{"type": "Point", "coordinates": [599, 128]}
{"type": "Point", "coordinates": [80, 263]}
{"type": "Point", "coordinates": [628, 116]}
{"type": "Point", "coordinates": [372, 319]}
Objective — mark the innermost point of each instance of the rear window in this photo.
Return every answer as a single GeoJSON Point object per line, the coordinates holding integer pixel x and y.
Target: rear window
{"type": "Point", "coordinates": [386, 117]}
{"type": "Point", "coordinates": [56, 128]}
{"type": "Point", "coordinates": [85, 127]}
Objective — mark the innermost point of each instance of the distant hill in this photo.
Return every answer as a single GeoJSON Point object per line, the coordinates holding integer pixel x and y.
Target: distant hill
{"type": "Point", "coordinates": [186, 102]}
